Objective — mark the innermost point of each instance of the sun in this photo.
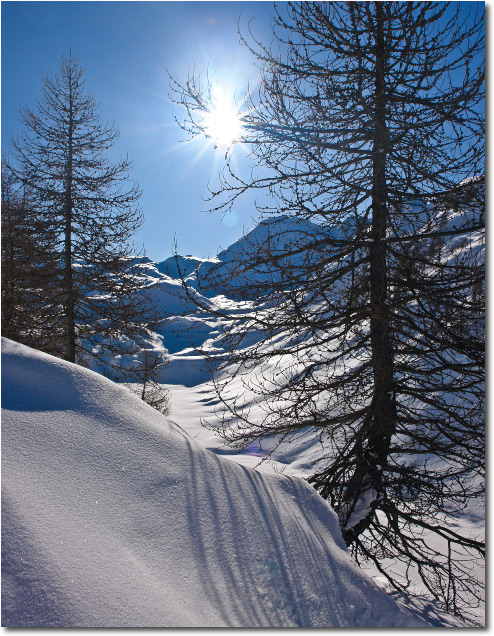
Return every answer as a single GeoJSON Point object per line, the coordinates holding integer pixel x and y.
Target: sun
{"type": "Point", "coordinates": [223, 123]}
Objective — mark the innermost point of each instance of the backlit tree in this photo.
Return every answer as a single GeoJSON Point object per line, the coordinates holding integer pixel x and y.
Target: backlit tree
{"type": "Point", "coordinates": [89, 204]}
{"type": "Point", "coordinates": [369, 124]}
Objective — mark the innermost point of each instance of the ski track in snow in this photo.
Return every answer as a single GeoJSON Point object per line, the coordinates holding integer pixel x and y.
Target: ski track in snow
{"type": "Point", "coordinates": [114, 517]}
{"type": "Point", "coordinates": [194, 406]}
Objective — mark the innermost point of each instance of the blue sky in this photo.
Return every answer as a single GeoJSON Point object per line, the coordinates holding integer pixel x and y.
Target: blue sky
{"type": "Point", "coordinates": [127, 47]}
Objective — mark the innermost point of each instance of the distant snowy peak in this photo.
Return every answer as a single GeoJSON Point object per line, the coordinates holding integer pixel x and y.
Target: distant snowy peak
{"type": "Point", "coordinates": [246, 269]}
{"type": "Point", "coordinates": [181, 266]}
{"type": "Point", "coordinates": [278, 232]}
{"type": "Point", "coordinates": [275, 233]}
{"type": "Point", "coordinates": [246, 260]}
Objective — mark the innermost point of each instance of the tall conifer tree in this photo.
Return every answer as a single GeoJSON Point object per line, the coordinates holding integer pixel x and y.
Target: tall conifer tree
{"type": "Point", "coordinates": [86, 201]}
{"type": "Point", "coordinates": [369, 123]}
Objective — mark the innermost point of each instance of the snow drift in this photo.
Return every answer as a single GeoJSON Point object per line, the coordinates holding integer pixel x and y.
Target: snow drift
{"type": "Point", "coordinates": [114, 517]}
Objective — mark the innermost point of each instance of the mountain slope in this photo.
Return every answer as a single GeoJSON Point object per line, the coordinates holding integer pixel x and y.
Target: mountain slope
{"type": "Point", "coordinates": [114, 517]}
{"type": "Point", "coordinates": [235, 267]}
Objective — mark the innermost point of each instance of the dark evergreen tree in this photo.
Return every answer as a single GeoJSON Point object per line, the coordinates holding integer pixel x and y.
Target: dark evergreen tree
{"type": "Point", "coordinates": [369, 123]}
{"type": "Point", "coordinates": [89, 203]}
{"type": "Point", "coordinates": [28, 271]}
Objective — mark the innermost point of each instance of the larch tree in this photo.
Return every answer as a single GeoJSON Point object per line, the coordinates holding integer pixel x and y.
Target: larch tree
{"type": "Point", "coordinates": [88, 203]}
{"type": "Point", "coordinates": [28, 268]}
{"type": "Point", "coordinates": [368, 330]}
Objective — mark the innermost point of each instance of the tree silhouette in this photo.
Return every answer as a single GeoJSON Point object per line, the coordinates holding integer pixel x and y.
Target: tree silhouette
{"type": "Point", "coordinates": [28, 269]}
{"type": "Point", "coordinates": [88, 204]}
{"type": "Point", "coordinates": [368, 127]}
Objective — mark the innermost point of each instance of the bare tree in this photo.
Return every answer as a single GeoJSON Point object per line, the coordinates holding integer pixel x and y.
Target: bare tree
{"type": "Point", "coordinates": [369, 124]}
{"type": "Point", "coordinates": [89, 204]}
{"type": "Point", "coordinates": [145, 373]}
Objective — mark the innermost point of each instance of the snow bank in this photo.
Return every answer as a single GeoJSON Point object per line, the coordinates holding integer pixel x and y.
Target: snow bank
{"type": "Point", "coordinates": [169, 295]}
{"type": "Point", "coordinates": [114, 517]}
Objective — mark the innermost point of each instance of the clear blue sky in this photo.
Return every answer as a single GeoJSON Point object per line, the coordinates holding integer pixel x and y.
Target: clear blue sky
{"type": "Point", "coordinates": [127, 47]}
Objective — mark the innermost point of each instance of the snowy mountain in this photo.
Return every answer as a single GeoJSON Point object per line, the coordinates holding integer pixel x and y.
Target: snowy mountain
{"type": "Point", "coordinates": [178, 266]}
{"type": "Point", "coordinates": [229, 271]}
{"type": "Point", "coordinates": [113, 516]}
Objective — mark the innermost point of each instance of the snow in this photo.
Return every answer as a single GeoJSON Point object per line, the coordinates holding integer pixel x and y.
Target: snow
{"type": "Point", "coordinates": [178, 266]}
{"type": "Point", "coordinates": [113, 516]}
{"type": "Point", "coordinates": [229, 270]}
{"type": "Point", "coordinates": [194, 401]}
{"type": "Point", "coordinates": [363, 508]}
{"type": "Point", "coordinates": [170, 296]}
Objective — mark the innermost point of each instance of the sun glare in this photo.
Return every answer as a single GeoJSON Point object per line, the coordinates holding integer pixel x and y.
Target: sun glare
{"type": "Point", "coordinates": [223, 123]}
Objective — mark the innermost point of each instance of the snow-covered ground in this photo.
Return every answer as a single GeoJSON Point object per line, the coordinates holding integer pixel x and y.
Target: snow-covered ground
{"type": "Point", "coordinates": [116, 516]}
{"type": "Point", "coordinates": [113, 516]}
{"type": "Point", "coordinates": [194, 404]}
{"type": "Point", "coordinates": [197, 409]}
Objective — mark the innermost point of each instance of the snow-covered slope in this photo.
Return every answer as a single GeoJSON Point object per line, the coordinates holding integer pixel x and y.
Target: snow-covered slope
{"type": "Point", "coordinates": [179, 266]}
{"type": "Point", "coordinates": [114, 517]}
{"type": "Point", "coordinates": [230, 271]}
{"type": "Point", "coordinates": [193, 396]}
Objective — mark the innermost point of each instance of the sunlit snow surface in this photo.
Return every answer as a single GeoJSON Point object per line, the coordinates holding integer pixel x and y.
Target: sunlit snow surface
{"type": "Point", "coordinates": [194, 402]}
{"type": "Point", "coordinates": [114, 517]}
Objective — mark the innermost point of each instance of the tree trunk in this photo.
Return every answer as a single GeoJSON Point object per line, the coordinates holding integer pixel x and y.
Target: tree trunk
{"type": "Point", "coordinates": [68, 273]}
{"type": "Point", "coordinates": [384, 409]}
{"type": "Point", "coordinates": [372, 457]}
